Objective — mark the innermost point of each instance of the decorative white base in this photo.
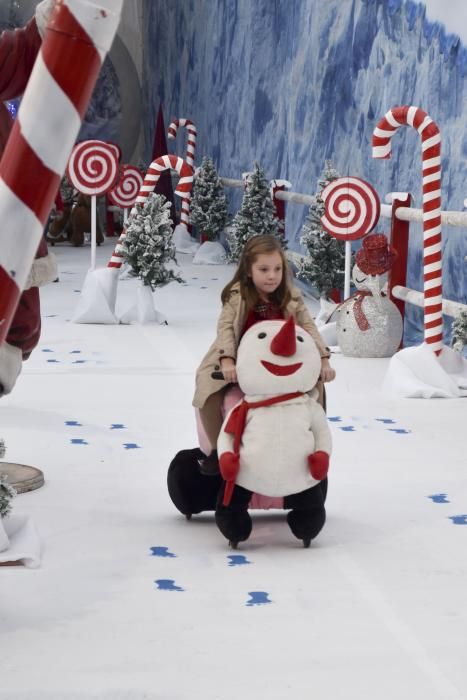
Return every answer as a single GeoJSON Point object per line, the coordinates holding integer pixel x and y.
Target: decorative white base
{"type": "Point", "coordinates": [96, 303]}
{"type": "Point", "coordinates": [19, 541]}
{"type": "Point", "coordinates": [418, 373]}
{"type": "Point", "coordinates": [182, 240]}
{"type": "Point", "coordinates": [210, 253]}
{"type": "Point", "coordinates": [142, 310]}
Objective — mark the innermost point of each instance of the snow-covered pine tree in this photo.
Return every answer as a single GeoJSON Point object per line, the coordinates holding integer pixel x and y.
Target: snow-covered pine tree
{"type": "Point", "coordinates": [324, 267]}
{"type": "Point", "coordinates": [208, 204]}
{"type": "Point", "coordinates": [147, 246]}
{"type": "Point", "coordinates": [7, 493]}
{"type": "Point", "coordinates": [459, 332]}
{"type": "Point", "coordinates": [256, 216]}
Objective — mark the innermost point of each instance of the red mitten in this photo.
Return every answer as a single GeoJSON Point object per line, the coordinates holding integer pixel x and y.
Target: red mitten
{"type": "Point", "coordinates": [318, 463]}
{"type": "Point", "coordinates": [229, 465]}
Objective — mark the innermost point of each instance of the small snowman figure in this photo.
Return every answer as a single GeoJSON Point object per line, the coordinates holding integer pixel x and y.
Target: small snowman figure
{"type": "Point", "coordinates": [369, 323]}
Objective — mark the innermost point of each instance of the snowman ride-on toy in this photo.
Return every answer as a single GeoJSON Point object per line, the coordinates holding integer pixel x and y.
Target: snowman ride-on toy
{"type": "Point", "coordinates": [275, 442]}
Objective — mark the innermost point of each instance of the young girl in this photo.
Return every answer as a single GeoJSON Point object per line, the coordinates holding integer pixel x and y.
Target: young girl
{"type": "Point", "coordinates": [260, 289]}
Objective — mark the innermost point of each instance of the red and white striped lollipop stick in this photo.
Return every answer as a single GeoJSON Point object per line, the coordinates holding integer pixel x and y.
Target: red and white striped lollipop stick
{"type": "Point", "coordinates": [189, 158]}
{"type": "Point", "coordinates": [77, 38]}
{"type": "Point", "coordinates": [153, 174]}
{"type": "Point", "coordinates": [351, 210]}
{"type": "Point", "coordinates": [93, 169]}
{"type": "Point", "coordinates": [431, 156]}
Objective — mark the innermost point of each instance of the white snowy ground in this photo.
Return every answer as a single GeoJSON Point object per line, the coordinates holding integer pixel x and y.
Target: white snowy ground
{"type": "Point", "coordinates": [374, 610]}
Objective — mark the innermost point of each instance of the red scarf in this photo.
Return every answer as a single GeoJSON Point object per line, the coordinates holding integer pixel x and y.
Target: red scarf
{"type": "Point", "coordinates": [236, 425]}
{"type": "Point", "coordinates": [361, 319]}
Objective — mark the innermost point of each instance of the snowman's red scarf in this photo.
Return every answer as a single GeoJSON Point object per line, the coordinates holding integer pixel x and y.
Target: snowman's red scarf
{"type": "Point", "coordinates": [236, 425]}
{"type": "Point", "coordinates": [360, 317]}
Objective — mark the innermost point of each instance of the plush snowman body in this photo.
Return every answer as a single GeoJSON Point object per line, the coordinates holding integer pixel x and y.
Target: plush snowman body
{"type": "Point", "coordinates": [369, 324]}
{"type": "Point", "coordinates": [278, 439]}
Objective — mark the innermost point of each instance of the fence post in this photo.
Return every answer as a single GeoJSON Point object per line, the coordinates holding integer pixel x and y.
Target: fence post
{"type": "Point", "coordinates": [279, 204]}
{"type": "Point", "coordinates": [400, 242]}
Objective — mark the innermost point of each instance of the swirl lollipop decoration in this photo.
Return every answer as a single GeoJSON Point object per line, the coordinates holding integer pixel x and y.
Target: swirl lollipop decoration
{"type": "Point", "coordinates": [93, 167]}
{"type": "Point", "coordinates": [351, 210]}
{"type": "Point", "coordinates": [126, 190]}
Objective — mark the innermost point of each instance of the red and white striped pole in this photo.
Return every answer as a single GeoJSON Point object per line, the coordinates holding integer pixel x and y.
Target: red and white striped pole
{"type": "Point", "coordinates": [431, 156]}
{"type": "Point", "coordinates": [153, 174]}
{"type": "Point", "coordinates": [77, 38]}
{"type": "Point", "coordinates": [189, 158]}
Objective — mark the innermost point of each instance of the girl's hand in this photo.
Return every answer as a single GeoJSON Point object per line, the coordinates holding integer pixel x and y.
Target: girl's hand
{"type": "Point", "coordinates": [327, 373]}
{"type": "Point", "coordinates": [228, 370]}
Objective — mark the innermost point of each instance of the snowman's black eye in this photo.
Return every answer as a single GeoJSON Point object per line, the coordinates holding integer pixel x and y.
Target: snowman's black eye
{"type": "Point", "coordinates": [299, 337]}
{"type": "Point", "coordinates": [261, 335]}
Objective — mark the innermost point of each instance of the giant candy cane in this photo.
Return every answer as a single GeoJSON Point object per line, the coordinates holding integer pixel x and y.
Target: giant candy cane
{"type": "Point", "coordinates": [78, 36]}
{"type": "Point", "coordinates": [189, 157]}
{"type": "Point", "coordinates": [431, 155]}
{"type": "Point", "coordinates": [153, 174]}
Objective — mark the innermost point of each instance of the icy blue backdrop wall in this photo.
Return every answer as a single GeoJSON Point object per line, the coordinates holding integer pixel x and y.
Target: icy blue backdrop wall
{"type": "Point", "coordinates": [292, 82]}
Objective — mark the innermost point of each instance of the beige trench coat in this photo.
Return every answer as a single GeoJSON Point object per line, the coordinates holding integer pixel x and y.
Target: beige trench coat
{"type": "Point", "coordinates": [229, 330]}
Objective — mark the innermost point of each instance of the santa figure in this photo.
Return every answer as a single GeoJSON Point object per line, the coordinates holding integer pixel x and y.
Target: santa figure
{"type": "Point", "coordinates": [369, 324]}
{"type": "Point", "coordinates": [18, 51]}
{"type": "Point", "coordinates": [276, 441]}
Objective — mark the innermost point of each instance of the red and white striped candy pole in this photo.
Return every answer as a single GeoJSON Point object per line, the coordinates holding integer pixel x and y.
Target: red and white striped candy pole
{"type": "Point", "coordinates": [153, 174]}
{"type": "Point", "coordinates": [126, 190]}
{"type": "Point", "coordinates": [351, 210]}
{"type": "Point", "coordinates": [189, 157]}
{"type": "Point", "coordinates": [93, 169]}
{"type": "Point", "coordinates": [78, 36]}
{"type": "Point", "coordinates": [431, 170]}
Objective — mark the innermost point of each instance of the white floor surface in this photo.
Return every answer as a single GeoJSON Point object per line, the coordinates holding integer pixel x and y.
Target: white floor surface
{"type": "Point", "coordinates": [376, 609]}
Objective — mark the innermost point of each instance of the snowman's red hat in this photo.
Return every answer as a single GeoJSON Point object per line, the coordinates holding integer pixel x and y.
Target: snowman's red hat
{"type": "Point", "coordinates": [376, 255]}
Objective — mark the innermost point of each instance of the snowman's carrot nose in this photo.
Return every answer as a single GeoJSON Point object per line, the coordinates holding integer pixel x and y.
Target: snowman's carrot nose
{"type": "Point", "coordinates": [284, 342]}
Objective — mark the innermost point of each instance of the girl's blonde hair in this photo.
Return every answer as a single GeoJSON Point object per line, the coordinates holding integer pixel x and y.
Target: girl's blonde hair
{"type": "Point", "coordinates": [259, 245]}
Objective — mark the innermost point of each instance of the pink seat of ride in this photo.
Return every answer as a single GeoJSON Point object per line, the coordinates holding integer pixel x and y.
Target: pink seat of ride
{"type": "Point", "coordinates": [233, 395]}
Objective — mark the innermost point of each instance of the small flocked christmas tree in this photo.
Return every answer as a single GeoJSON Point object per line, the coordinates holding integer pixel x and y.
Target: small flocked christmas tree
{"type": "Point", "coordinates": [7, 493]}
{"type": "Point", "coordinates": [256, 216]}
{"type": "Point", "coordinates": [147, 246]}
{"type": "Point", "coordinates": [324, 268]}
{"type": "Point", "coordinates": [459, 332]}
{"type": "Point", "coordinates": [208, 205]}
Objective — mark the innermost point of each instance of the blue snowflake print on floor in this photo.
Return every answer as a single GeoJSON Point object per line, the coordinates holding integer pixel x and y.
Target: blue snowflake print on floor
{"type": "Point", "coordinates": [57, 361]}
{"type": "Point", "coordinates": [237, 560]}
{"type": "Point", "coordinates": [203, 287]}
{"type": "Point", "coordinates": [439, 498]}
{"type": "Point", "coordinates": [399, 431]}
{"type": "Point", "coordinates": [73, 423]}
{"type": "Point", "coordinates": [167, 584]}
{"type": "Point", "coordinates": [51, 316]}
{"type": "Point", "coordinates": [78, 362]}
{"type": "Point", "coordinates": [459, 519]}
{"type": "Point", "coordinates": [75, 352]}
{"type": "Point", "coordinates": [348, 428]}
{"type": "Point", "coordinates": [258, 598]}
{"type": "Point", "coordinates": [78, 441]}
{"type": "Point", "coordinates": [334, 419]}
{"type": "Point", "coordinates": [77, 291]}
{"type": "Point", "coordinates": [131, 446]}
{"type": "Point", "coordinates": [117, 426]}
{"type": "Point", "coordinates": [385, 420]}
{"type": "Point", "coordinates": [161, 552]}
{"type": "Point", "coordinates": [48, 350]}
